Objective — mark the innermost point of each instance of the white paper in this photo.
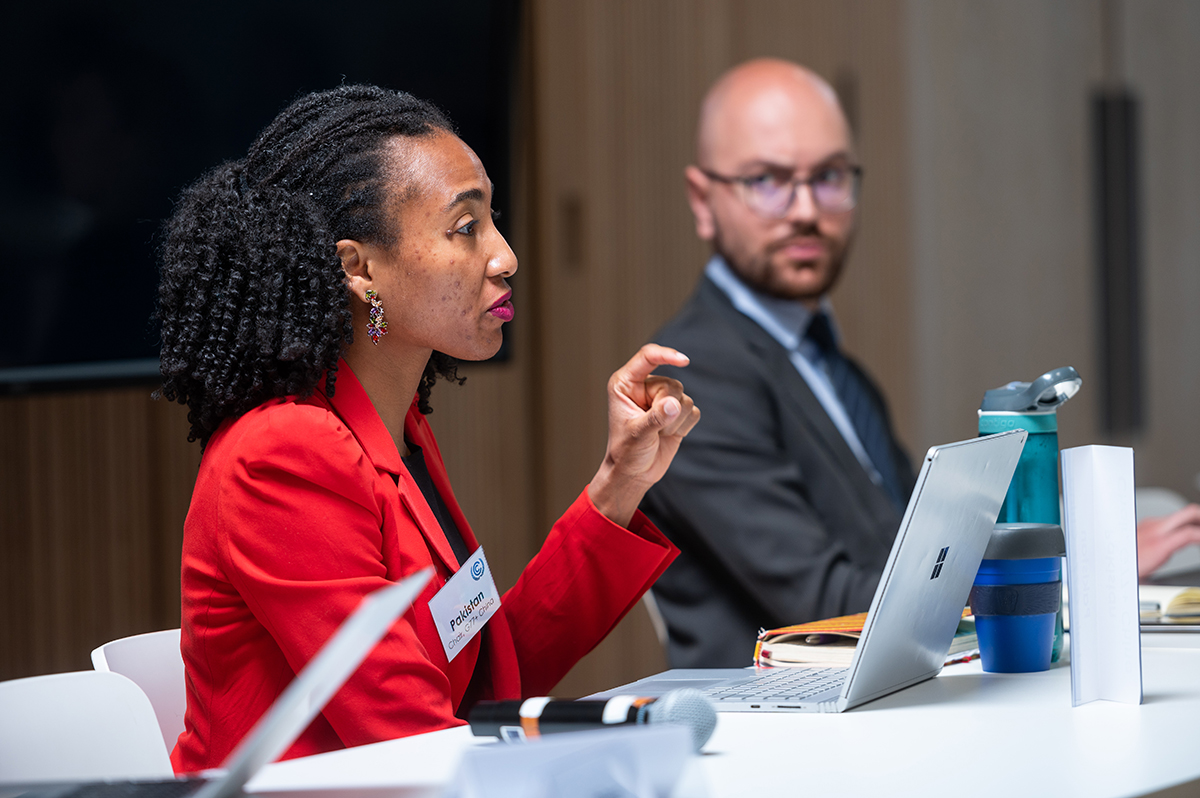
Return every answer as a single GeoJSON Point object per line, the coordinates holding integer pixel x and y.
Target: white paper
{"type": "Point", "coordinates": [1100, 526]}
{"type": "Point", "coordinates": [624, 762]}
{"type": "Point", "coordinates": [414, 767]}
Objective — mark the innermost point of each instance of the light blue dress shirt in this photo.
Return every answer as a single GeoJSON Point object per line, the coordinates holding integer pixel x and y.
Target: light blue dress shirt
{"type": "Point", "coordinates": [785, 320]}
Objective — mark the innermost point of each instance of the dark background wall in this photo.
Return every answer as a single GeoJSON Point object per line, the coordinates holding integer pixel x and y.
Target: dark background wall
{"type": "Point", "coordinates": [117, 106]}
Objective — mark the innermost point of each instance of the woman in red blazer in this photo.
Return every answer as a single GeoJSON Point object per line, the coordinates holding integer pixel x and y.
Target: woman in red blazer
{"type": "Point", "coordinates": [311, 295]}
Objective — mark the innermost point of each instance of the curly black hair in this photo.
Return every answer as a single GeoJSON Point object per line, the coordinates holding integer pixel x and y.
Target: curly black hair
{"type": "Point", "coordinates": [252, 299]}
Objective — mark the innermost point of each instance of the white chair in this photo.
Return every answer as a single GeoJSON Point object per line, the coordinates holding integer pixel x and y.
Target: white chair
{"type": "Point", "coordinates": [78, 726]}
{"type": "Point", "coordinates": [153, 662]}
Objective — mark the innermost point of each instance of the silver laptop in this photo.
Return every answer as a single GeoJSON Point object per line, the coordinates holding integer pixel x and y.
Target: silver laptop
{"type": "Point", "coordinates": [288, 716]}
{"type": "Point", "coordinates": [916, 607]}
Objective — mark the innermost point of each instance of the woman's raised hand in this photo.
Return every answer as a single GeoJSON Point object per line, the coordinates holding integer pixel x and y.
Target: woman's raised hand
{"type": "Point", "coordinates": [648, 416]}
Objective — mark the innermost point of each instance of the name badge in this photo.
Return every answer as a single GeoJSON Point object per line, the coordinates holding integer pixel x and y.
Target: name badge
{"type": "Point", "coordinates": [464, 604]}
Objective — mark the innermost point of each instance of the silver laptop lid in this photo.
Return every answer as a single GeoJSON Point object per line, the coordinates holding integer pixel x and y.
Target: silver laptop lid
{"type": "Point", "coordinates": [316, 683]}
{"type": "Point", "coordinates": [932, 565]}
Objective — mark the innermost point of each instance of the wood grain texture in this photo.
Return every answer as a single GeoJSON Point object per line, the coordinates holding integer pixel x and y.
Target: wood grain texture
{"type": "Point", "coordinates": [94, 488]}
{"type": "Point", "coordinates": [617, 93]}
{"type": "Point", "coordinates": [1002, 213]}
{"type": "Point", "coordinates": [1159, 57]}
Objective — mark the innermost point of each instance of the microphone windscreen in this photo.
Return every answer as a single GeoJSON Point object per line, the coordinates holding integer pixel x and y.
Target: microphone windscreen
{"type": "Point", "coordinates": [685, 707]}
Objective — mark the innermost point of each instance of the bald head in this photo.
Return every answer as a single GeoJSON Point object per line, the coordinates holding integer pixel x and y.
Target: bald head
{"type": "Point", "coordinates": [769, 127]}
{"type": "Point", "coordinates": [766, 105]}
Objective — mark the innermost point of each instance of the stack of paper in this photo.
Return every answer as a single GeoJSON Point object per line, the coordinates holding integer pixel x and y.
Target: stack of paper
{"type": "Point", "coordinates": [831, 642]}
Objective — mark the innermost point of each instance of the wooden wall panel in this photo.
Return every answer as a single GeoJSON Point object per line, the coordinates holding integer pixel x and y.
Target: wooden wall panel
{"type": "Point", "coordinates": [94, 487]}
{"type": "Point", "coordinates": [857, 46]}
{"type": "Point", "coordinates": [1158, 60]}
{"type": "Point", "coordinates": [1005, 282]}
{"type": "Point", "coordinates": [617, 93]}
{"type": "Point", "coordinates": [1002, 212]}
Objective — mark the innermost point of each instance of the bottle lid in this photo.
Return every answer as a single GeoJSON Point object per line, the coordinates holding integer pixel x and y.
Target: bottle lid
{"type": "Point", "coordinates": [1025, 542]}
{"type": "Point", "coordinates": [1042, 395]}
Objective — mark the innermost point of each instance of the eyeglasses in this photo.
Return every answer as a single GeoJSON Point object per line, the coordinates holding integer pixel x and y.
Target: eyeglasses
{"type": "Point", "coordinates": [834, 189]}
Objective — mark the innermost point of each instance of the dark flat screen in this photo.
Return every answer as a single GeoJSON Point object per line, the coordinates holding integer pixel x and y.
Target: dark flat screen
{"type": "Point", "coordinates": [112, 108]}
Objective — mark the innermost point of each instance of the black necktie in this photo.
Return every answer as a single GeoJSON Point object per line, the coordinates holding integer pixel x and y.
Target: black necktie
{"type": "Point", "coordinates": [856, 399]}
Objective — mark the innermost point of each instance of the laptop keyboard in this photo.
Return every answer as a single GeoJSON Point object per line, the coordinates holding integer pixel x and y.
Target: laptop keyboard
{"type": "Point", "coordinates": [784, 684]}
{"type": "Point", "coordinates": [167, 788]}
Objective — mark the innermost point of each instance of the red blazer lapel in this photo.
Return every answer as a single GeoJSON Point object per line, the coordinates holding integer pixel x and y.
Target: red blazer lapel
{"type": "Point", "coordinates": [354, 407]}
{"type": "Point", "coordinates": [431, 530]}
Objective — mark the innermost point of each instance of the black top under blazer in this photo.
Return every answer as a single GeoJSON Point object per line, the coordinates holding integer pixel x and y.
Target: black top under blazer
{"type": "Point", "coordinates": [777, 521]}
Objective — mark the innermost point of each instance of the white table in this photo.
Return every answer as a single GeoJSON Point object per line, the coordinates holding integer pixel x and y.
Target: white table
{"type": "Point", "coordinates": [964, 733]}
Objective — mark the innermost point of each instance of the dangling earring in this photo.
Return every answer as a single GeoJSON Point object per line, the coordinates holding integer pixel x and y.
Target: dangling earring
{"type": "Point", "coordinates": [376, 326]}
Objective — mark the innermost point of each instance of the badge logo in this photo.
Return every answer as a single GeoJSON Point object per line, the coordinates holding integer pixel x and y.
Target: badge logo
{"type": "Point", "coordinates": [464, 604]}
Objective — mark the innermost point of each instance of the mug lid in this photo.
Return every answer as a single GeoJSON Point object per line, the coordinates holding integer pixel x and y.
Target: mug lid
{"type": "Point", "coordinates": [1025, 542]}
{"type": "Point", "coordinates": [1043, 395]}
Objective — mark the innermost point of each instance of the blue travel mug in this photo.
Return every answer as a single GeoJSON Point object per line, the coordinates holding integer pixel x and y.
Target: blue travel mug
{"type": "Point", "coordinates": [1017, 597]}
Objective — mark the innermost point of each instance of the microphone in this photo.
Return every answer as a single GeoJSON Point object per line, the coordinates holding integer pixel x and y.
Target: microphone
{"type": "Point", "coordinates": [514, 721]}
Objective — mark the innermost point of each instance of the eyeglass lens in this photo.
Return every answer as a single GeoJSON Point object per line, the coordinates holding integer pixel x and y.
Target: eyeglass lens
{"type": "Point", "coordinates": [833, 190]}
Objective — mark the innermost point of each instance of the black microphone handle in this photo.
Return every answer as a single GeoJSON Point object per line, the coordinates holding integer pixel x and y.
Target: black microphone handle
{"type": "Point", "coordinates": [504, 719]}
{"type": "Point", "coordinates": [488, 717]}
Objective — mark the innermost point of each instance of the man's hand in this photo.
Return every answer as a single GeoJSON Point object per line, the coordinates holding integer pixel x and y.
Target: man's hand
{"type": "Point", "coordinates": [1159, 538]}
{"type": "Point", "coordinates": [648, 416]}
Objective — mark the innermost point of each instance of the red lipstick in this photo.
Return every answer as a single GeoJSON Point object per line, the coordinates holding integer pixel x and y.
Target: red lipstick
{"type": "Point", "coordinates": [503, 308]}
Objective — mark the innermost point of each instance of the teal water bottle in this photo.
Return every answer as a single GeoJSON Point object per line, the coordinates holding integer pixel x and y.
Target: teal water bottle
{"type": "Point", "coordinates": [1032, 406]}
{"type": "Point", "coordinates": [1032, 496]}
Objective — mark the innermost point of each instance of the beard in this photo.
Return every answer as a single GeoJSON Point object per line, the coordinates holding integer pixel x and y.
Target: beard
{"type": "Point", "coordinates": [769, 269]}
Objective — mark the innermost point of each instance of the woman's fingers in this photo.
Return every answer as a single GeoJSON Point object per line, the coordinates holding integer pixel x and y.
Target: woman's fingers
{"type": "Point", "coordinates": [679, 409]}
{"type": "Point", "coordinates": [630, 380]}
{"type": "Point", "coordinates": [648, 415]}
{"type": "Point", "coordinates": [650, 357]}
{"type": "Point", "coordinates": [687, 419]}
{"type": "Point", "coordinates": [663, 411]}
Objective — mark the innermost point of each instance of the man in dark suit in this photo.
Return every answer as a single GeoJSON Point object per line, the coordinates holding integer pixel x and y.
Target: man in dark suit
{"type": "Point", "coordinates": [787, 495]}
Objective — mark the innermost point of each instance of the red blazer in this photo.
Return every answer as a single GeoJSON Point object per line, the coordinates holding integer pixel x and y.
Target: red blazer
{"type": "Point", "coordinates": [302, 507]}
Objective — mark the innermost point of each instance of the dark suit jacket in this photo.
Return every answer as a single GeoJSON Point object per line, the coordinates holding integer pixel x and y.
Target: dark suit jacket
{"type": "Point", "coordinates": [777, 521]}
